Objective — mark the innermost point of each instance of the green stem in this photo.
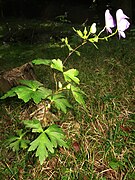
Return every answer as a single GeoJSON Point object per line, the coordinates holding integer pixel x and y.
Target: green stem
{"type": "Point", "coordinates": [74, 51]}
{"type": "Point", "coordinates": [55, 79]}
{"type": "Point", "coordinates": [101, 31]}
{"type": "Point", "coordinates": [106, 37]}
{"type": "Point", "coordinates": [44, 120]}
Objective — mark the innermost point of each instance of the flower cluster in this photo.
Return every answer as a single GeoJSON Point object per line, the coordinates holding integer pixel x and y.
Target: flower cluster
{"type": "Point", "coordinates": [121, 22]}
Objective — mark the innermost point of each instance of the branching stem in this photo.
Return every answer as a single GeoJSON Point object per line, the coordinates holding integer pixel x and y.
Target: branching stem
{"type": "Point", "coordinates": [74, 51]}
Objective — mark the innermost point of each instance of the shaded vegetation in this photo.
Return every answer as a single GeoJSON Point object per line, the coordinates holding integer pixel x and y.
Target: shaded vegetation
{"type": "Point", "coordinates": [101, 141]}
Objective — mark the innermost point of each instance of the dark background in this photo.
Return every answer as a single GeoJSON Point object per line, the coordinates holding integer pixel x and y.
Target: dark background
{"type": "Point", "coordinates": [77, 11]}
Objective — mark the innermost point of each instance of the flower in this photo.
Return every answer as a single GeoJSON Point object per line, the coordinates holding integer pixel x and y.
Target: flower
{"type": "Point", "coordinates": [122, 22]}
{"type": "Point", "coordinates": [93, 28]}
{"type": "Point", "coordinates": [109, 21]}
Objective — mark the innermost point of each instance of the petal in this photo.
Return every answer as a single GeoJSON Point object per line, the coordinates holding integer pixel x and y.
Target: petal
{"type": "Point", "coordinates": [121, 33]}
{"type": "Point", "coordinates": [108, 30]}
{"type": "Point", "coordinates": [123, 25]}
{"type": "Point", "coordinates": [109, 21]}
{"type": "Point", "coordinates": [120, 15]}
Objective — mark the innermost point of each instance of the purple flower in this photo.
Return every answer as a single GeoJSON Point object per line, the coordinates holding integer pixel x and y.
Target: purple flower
{"type": "Point", "coordinates": [122, 23]}
{"type": "Point", "coordinates": [109, 21]}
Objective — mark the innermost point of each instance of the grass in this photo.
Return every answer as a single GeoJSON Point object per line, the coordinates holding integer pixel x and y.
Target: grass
{"type": "Point", "coordinates": [102, 142]}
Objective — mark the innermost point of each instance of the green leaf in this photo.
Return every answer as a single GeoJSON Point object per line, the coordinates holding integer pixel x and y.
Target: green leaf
{"type": "Point", "coordinates": [34, 125]}
{"type": "Point", "coordinates": [11, 139]}
{"type": "Point", "coordinates": [20, 133]}
{"type": "Point", "coordinates": [42, 61]}
{"type": "Point", "coordinates": [24, 143]}
{"type": "Point", "coordinates": [10, 93]}
{"type": "Point", "coordinates": [69, 47]}
{"type": "Point", "coordinates": [49, 139]}
{"type": "Point", "coordinates": [41, 93]}
{"type": "Point", "coordinates": [65, 40]}
{"type": "Point", "coordinates": [70, 75]}
{"type": "Point", "coordinates": [95, 39]}
{"type": "Point", "coordinates": [32, 90]}
{"type": "Point", "coordinates": [41, 141]}
{"type": "Point", "coordinates": [85, 32]}
{"type": "Point", "coordinates": [42, 153]}
{"type": "Point", "coordinates": [61, 102]}
{"type": "Point", "coordinates": [34, 85]}
{"type": "Point", "coordinates": [56, 135]}
{"type": "Point", "coordinates": [78, 53]}
{"type": "Point", "coordinates": [57, 64]}
{"type": "Point", "coordinates": [17, 142]}
{"type": "Point", "coordinates": [42, 144]}
{"type": "Point", "coordinates": [15, 145]}
{"type": "Point", "coordinates": [78, 32]}
{"type": "Point", "coordinates": [67, 44]}
{"type": "Point", "coordinates": [78, 95]}
{"type": "Point", "coordinates": [24, 93]}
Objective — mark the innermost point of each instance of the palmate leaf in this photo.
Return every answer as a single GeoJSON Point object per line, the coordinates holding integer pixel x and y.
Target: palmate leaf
{"type": "Point", "coordinates": [32, 90]}
{"type": "Point", "coordinates": [70, 75]}
{"type": "Point", "coordinates": [24, 143]}
{"type": "Point", "coordinates": [78, 95]}
{"type": "Point", "coordinates": [42, 61]}
{"type": "Point", "coordinates": [10, 93]}
{"type": "Point", "coordinates": [47, 141]}
{"type": "Point", "coordinates": [34, 125]}
{"type": "Point", "coordinates": [24, 93]}
{"type": "Point", "coordinates": [17, 142]}
{"type": "Point", "coordinates": [43, 145]}
{"type": "Point", "coordinates": [15, 145]}
{"type": "Point", "coordinates": [56, 135]}
{"type": "Point", "coordinates": [61, 102]}
{"type": "Point", "coordinates": [41, 93]}
{"type": "Point", "coordinates": [54, 63]}
{"type": "Point", "coordinates": [57, 64]}
{"type": "Point", "coordinates": [34, 85]}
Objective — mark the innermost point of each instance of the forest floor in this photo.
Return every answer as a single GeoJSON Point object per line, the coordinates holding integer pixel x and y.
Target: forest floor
{"type": "Point", "coordinates": [102, 142]}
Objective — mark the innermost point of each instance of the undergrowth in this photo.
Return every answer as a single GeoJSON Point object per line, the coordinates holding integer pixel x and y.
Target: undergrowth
{"type": "Point", "coordinates": [101, 141]}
